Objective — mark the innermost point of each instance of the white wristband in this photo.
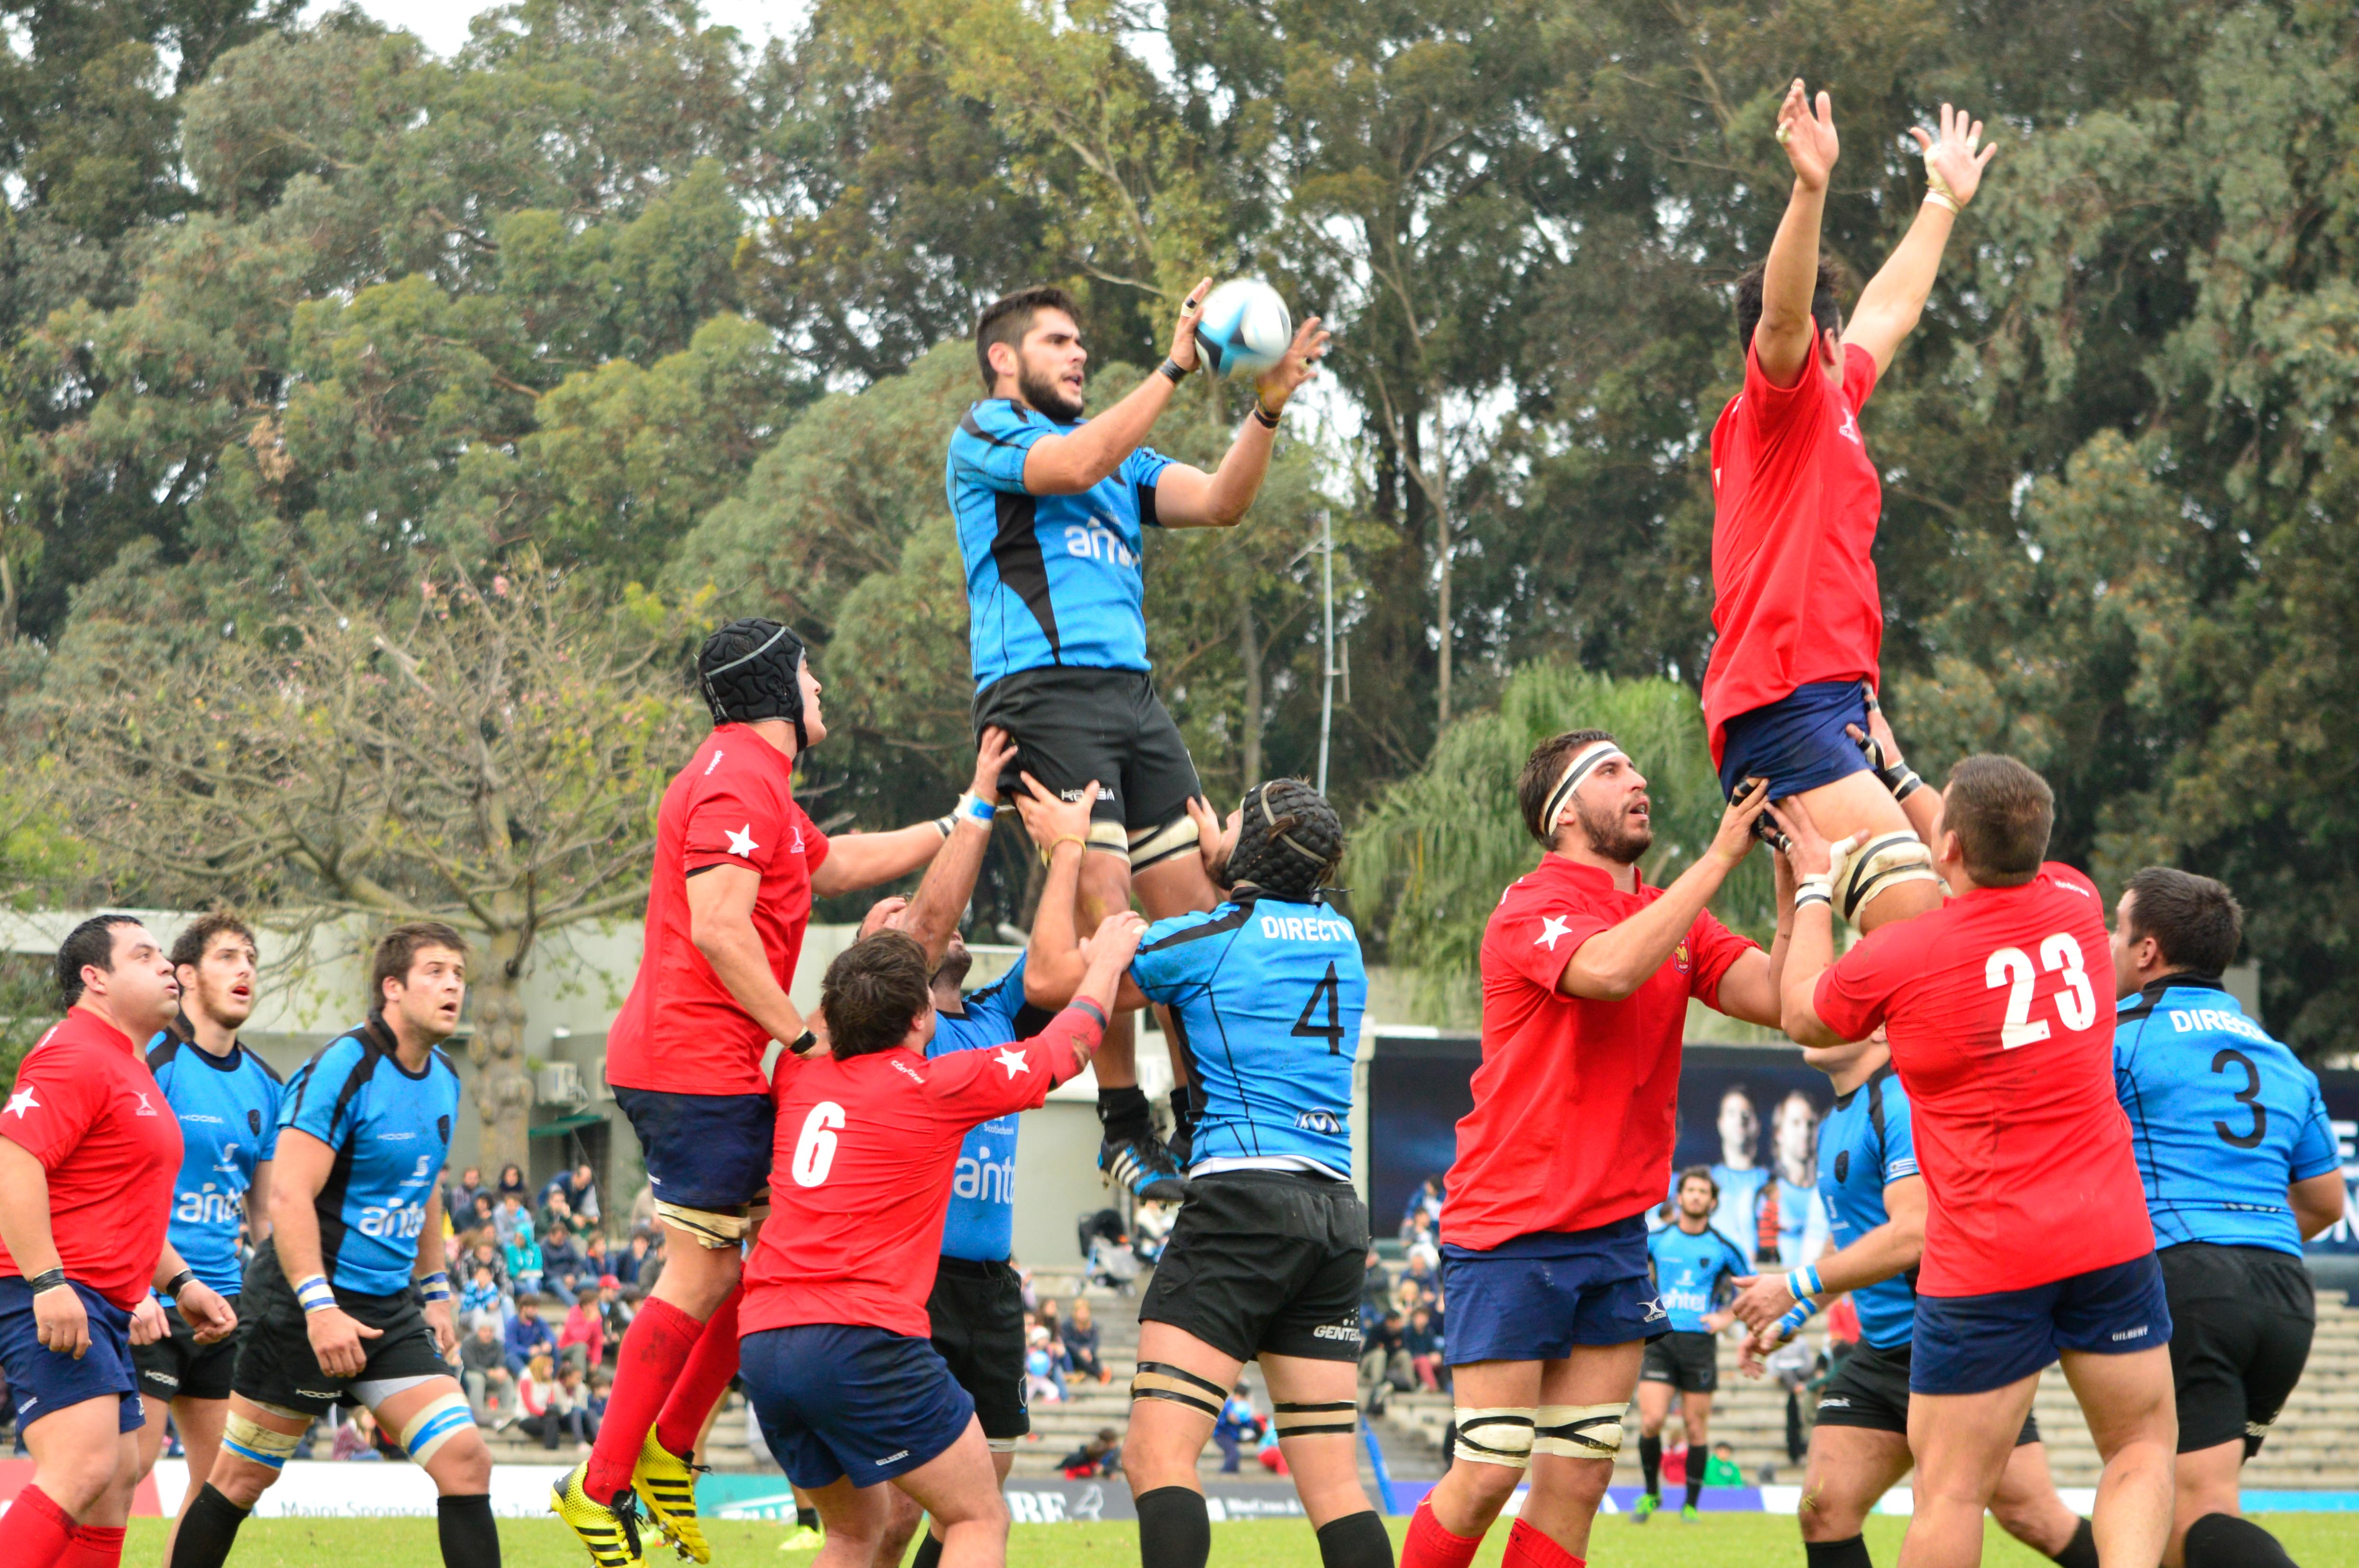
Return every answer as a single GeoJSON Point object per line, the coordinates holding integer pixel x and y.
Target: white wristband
{"type": "Point", "coordinates": [316, 1294]}
{"type": "Point", "coordinates": [974, 808]}
{"type": "Point", "coordinates": [1804, 1284]}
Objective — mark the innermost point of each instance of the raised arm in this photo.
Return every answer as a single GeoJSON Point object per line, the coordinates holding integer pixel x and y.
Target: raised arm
{"type": "Point", "coordinates": [1619, 959]}
{"type": "Point", "coordinates": [1053, 962]}
{"type": "Point", "coordinates": [1922, 806]}
{"type": "Point", "coordinates": [1190, 498]}
{"type": "Point", "coordinates": [1891, 1248]}
{"type": "Point", "coordinates": [1750, 989]}
{"type": "Point", "coordinates": [942, 897]}
{"type": "Point", "coordinates": [1894, 298]}
{"type": "Point", "coordinates": [1783, 339]}
{"type": "Point", "coordinates": [857, 860]}
{"type": "Point", "coordinates": [1070, 463]}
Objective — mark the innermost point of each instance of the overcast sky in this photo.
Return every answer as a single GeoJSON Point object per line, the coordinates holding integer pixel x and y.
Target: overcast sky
{"type": "Point", "coordinates": [442, 24]}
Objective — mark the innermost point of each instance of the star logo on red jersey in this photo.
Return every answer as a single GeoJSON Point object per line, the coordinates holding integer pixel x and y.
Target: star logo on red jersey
{"type": "Point", "coordinates": [20, 1102]}
{"type": "Point", "coordinates": [740, 840]}
{"type": "Point", "coordinates": [1551, 927]}
{"type": "Point", "coordinates": [1014, 1061]}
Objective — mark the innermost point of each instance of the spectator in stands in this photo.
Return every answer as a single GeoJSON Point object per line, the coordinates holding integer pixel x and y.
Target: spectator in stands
{"type": "Point", "coordinates": [632, 1259]}
{"type": "Point", "coordinates": [569, 1410]}
{"type": "Point", "coordinates": [485, 1254]}
{"type": "Point", "coordinates": [1427, 1201]}
{"type": "Point", "coordinates": [1423, 1343]}
{"type": "Point", "coordinates": [594, 1254]}
{"type": "Point", "coordinates": [565, 1274]}
{"type": "Point", "coordinates": [527, 1336]}
{"type": "Point", "coordinates": [555, 1211]}
{"type": "Point", "coordinates": [458, 1197]}
{"type": "Point", "coordinates": [523, 1253]}
{"type": "Point", "coordinates": [616, 1307]}
{"type": "Point", "coordinates": [1081, 1336]}
{"type": "Point", "coordinates": [652, 1268]}
{"type": "Point", "coordinates": [1239, 1424]}
{"type": "Point", "coordinates": [537, 1397]}
{"type": "Point", "coordinates": [508, 1217]}
{"type": "Point", "coordinates": [1384, 1358]}
{"type": "Point", "coordinates": [511, 1181]}
{"type": "Point", "coordinates": [1423, 1274]}
{"type": "Point", "coordinates": [1100, 1455]}
{"type": "Point", "coordinates": [582, 1342]}
{"type": "Point", "coordinates": [1375, 1290]}
{"type": "Point", "coordinates": [1023, 1289]}
{"type": "Point", "coordinates": [483, 1373]}
{"type": "Point", "coordinates": [356, 1439]}
{"type": "Point", "coordinates": [481, 1302]}
{"type": "Point", "coordinates": [481, 1214]}
{"type": "Point", "coordinates": [1044, 1381]}
{"type": "Point", "coordinates": [1050, 1317]}
{"type": "Point", "coordinates": [1150, 1229]}
{"type": "Point", "coordinates": [579, 1187]}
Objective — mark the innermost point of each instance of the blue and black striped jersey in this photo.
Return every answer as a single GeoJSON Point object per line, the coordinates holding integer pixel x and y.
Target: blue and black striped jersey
{"type": "Point", "coordinates": [980, 1224]}
{"type": "Point", "coordinates": [228, 1109]}
{"type": "Point", "coordinates": [390, 1130]}
{"type": "Point", "coordinates": [1864, 1145]}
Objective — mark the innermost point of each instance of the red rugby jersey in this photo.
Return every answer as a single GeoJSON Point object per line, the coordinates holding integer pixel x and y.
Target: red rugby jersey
{"type": "Point", "coordinates": [1794, 503]}
{"type": "Point", "coordinates": [1999, 1006]}
{"type": "Point", "coordinates": [85, 1105]}
{"type": "Point", "coordinates": [1573, 1104]}
{"type": "Point", "coordinates": [861, 1174]}
{"type": "Point", "coordinates": [733, 805]}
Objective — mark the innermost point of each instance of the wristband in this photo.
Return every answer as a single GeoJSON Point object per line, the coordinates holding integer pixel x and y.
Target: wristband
{"type": "Point", "coordinates": [1815, 890]}
{"type": "Point", "coordinates": [804, 1044]}
{"type": "Point", "coordinates": [1804, 1283]}
{"type": "Point", "coordinates": [945, 822]}
{"type": "Point", "coordinates": [974, 808]}
{"type": "Point", "coordinates": [1086, 1005]}
{"type": "Point", "coordinates": [1900, 779]}
{"type": "Point", "coordinates": [435, 1287]}
{"type": "Point", "coordinates": [1935, 199]}
{"type": "Point", "coordinates": [1172, 369]}
{"type": "Point", "coordinates": [1049, 849]}
{"type": "Point", "coordinates": [178, 1283]}
{"type": "Point", "coordinates": [1265, 413]}
{"type": "Point", "coordinates": [1791, 1324]}
{"type": "Point", "coordinates": [315, 1294]}
{"type": "Point", "coordinates": [47, 1280]}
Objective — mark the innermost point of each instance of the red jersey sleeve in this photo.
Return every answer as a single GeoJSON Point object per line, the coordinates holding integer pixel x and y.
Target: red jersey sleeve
{"type": "Point", "coordinates": [1772, 408]}
{"type": "Point", "coordinates": [1855, 994]}
{"type": "Point", "coordinates": [56, 1099]}
{"type": "Point", "coordinates": [814, 841]}
{"type": "Point", "coordinates": [735, 821]}
{"type": "Point", "coordinates": [971, 1087]}
{"type": "Point", "coordinates": [1538, 937]}
{"type": "Point", "coordinates": [1859, 376]}
{"type": "Point", "coordinates": [1712, 948]}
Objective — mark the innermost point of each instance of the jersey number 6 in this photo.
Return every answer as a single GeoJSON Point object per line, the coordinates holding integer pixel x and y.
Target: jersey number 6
{"type": "Point", "coordinates": [2076, 1004]}
{"type": "Point", "coordinates": [815, 1145]}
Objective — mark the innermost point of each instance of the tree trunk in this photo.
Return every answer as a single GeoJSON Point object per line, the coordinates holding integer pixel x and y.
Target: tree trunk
{"type": "Point", "coordinates": [1438, 493]}
{"type": "Point", "coordinates": [1249, 656]}
{"type": "Point", "coordinates": [502, 1088]}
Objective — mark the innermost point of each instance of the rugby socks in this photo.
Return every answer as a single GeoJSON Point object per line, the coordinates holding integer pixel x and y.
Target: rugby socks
{"type": "Point", "coordinates": [1650, 1462]}
{"type": "Point", "coordinates": [1125, 1113]}
{"type": "Point", "coordinates": [1175, 1529]}
{"type": "Point", "coordinates": [929, 1551]}
{"type": "Point", "coordinates": [2081, 1551]}
{"type": "Point", "coordinates": [35, 1531]}
{"type": "Point", "coordinates": [1429, 1545]}
{"type": "Point", "coordinates": [655, 1350]}
{"type": "Point", "coordinates": [470, 1539]}
{"type": "Point", "coordinates": [808, 1519]}
{"type": "Point", "coordinates": [207, 1533]}
{"type": "Point", "coordinates": [1355, 1541]}
{"type": "Point", "coordinates": [1695, 1476]}
{"type": "Point", "coordinates": [94, 1546]}
{"type": "Point", "coordinates": [704, 1381]}
{"type": "Point", "coordinates": [1848, 1553]}
{"type": "Point", "coordinates": [2223, 1540]}
{"type": "Point", "coordinates": [1528, 1546]}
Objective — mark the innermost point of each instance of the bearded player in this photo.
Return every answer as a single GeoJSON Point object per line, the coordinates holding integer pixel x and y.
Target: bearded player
{"type": "Point", "coordinates": [737, 862]}
{"type": "Point", "coordinates": [2037, 1242]}
{"type": "Point", "coordinates": [1051, 511]}
{"type": "Point", "coordinates": [1587, 973]}
{"type": "Point", "coordinates": [1794, 501]}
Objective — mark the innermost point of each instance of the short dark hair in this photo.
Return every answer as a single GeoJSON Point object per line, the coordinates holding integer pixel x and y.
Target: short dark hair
{"type": "Point", "coordinates": [2196, 923]}
{"type": "Point", "coordinates": [1699, 1174]}
{"type": "Point", "coordinates": [2002, 813]}
{"type": "Point", "coordinates": [398, 948]}
{"type": "Point", "coordinates": [197, 938]}
{"type": "Point", "coordinates": [92, 942]}
{"type": "Point", "coordinates": [1537, 781]}
{"type": "Point", "coordinates": [1006, 318]}
{"type": "Point", "coordinates": [872, 991]}
{"type": "Point", "coordinates": [1823, 308]}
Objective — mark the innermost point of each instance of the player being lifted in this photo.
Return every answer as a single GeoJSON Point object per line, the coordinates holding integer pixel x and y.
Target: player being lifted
{"type": "Point", "coordinates": [1795, 502]}
{"type": "Point", "coordinates": [87, 1159]}
{"type": "Point", "coordinates": [1051, 510]}
{"type": "Point", "coordinates": [837, 1365]}
{"type": "Point", "coordinates": [227, 1100]}
{"type": "Point", "coordinates": [1266, 1257]}
{"type": "Point", "coordinates": [1587, 972]}
{"type": "Point", "coordinates": [2240, 1165]}
{"type": "Point", "coordinates": [348, 1297]}
{"type": "Point", "coordinates": [2037, 1242]}
{"type": "Point", "coordinates": [1875, 1201]}
{"type": "Point", "coordinates": [1690, 1260]}
{"type": "Point", "coordinates": [737, 862]}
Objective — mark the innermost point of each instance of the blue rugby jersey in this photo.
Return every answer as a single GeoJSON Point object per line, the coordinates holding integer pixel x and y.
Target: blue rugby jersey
{"type": "Point", "coordinates": [980, 1224]}
{"type": "Point", "coordinates": [391, 1131]}
{"type": "Point", "coordinates": [1265, 998]}
{"type": "Point", "coordinates": [1864, 1145]}
{"type": "Point", "coordinates": [1051, 579]}
{"type": "Point", "coordinates": [1690, 1268]}
{"type": "Point", "coordinates": [2222, 1117]}
{"type": "Point", "coordinates": [228, 1109]}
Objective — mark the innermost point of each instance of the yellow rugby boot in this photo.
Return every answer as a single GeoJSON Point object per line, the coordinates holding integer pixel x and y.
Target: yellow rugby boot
{"type": "Point", "coordinates": [612, 1534]}
{"type": "Point", "coordinates": [667, 1483]}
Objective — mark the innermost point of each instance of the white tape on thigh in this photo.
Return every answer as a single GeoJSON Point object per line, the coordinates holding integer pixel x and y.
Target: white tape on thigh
{"type": "Point", "coordinates": [1154, 845]}
{"type": "Point", "coordinates": [249, 1439]}
{"type": "Point", "coordinates": [1884, 862]}
{"type": "Point", "coordinates": [1579, 1431]}
{"type": "Point", "coordinates": [1501, 1435]}
{"type": "Point", "coordinates": [712, 1228]}
{"type": "Point", "coordinates": [1001, 1444]}
{"type": "Point", "coordinates": [441, 1420]}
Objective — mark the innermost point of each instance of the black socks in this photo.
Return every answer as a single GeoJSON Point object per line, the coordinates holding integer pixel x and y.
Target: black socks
{"type": "Point", "coordinates": [1650, 1460]}
{"type": "Point", "coordinates": [1355, 1541]}
{"type": "Point", "coordinates": [2081, 1551]}
{"type": "Point", "coordinates": [1125, 1113]}
{"type": "Point", "coordinates": [2223, 1540]}
{"type": "Point", "coordinates": [807, 1517]}
{"type": "Point", "coordinates": [1695, 1476]}
{"type": "Point", "coordinates": [1851, 1553]}
{"type": "Point", "coordinates": [209, 1531]}
{"type": "Point", "coordinates": [470, 1539]}
{"type": "Point", "coordinates": [930, 1551]}
{"type": "Point", "coordinates": [1174, 1529]}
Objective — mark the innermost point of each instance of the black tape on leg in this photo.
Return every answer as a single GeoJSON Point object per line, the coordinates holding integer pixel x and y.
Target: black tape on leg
{"type": "Point", "coordinates": [1334, 1418]}
{"type": "Point", "coordinates": [1847, 1553]}
{"type": "Point", "coordinates": [2081, 1551]}
{"type": "Point", "coordinates": [1161, 1380]}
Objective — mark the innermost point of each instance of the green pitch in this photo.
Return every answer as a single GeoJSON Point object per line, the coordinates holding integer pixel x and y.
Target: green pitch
{"type": "Point", "coordinates": [1721, 1540]}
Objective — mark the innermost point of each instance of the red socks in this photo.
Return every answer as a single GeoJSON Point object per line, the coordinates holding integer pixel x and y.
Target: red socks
{"type": "Point", "coordinates": [1530, 1547]}
{"type": "Point", "coordinates": [94, 1546]}
{"type": "Point", "coordinates": [655, 1350]}
{"type": "Point", "coordinates": [703, 1382]}
{"type": "Point", "coordinates": [35, 1531]}
{"type": "Point", "coordinates": [1429, 1545]}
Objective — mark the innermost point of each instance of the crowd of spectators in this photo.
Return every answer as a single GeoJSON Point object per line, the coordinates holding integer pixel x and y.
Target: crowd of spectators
{"type": "Point", "coordinates": [1401, 1316]}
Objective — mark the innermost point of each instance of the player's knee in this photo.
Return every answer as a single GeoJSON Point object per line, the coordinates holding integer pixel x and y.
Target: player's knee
{"type": "Point", "coordinates": [240, 1480]}
{"type": "Point", "coordinates": [1578, 1432]}
{"type": "Point", "coordinates": [78, 1477]}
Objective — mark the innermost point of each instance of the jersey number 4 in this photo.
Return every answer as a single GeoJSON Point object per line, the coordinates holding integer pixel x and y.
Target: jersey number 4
{"type": "Point", "coordinates": [1322, 994]}
{"type": "Point", "coordinates": [2076, 1004]}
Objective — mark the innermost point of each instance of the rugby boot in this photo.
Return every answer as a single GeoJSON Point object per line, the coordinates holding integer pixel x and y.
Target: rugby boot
{"type": "Point", "coordinates": [612, 1533]}
{"type": "Point", "coordinates": [1643, 1508]}
{"type": "Point", "coordinates": [1143, 1166]}
{"type": "Point", "coordinates": [1689, 1514]}
{"type": "Point", "coordinates": [666, 1484]}
{"type": "Point", "coordinates": [804, 1538]}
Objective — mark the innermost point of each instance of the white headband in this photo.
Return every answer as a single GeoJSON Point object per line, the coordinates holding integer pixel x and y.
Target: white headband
{"type": "Point", "coordinates": [1583, 762]}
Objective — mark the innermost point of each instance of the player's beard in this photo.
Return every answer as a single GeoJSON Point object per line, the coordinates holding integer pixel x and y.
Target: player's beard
{"type": "Point", "coordinates": [1048, 398]}
{"type": "Point", "coordinates": [954, 965]}
{"type": "Point", "coordinates": [1612, 835]}
{"type": "Point", "coordinates": [217, 1005]}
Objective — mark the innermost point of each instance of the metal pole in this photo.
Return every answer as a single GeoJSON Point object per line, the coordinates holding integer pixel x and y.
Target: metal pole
{"type": "Point", "coordinates": [1327, 649]}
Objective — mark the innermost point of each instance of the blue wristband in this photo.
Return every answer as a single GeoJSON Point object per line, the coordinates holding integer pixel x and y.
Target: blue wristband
{"type": "Point", "coordinates": [435, 1287]}
{"type": "Point", "coordinates": [974, 808]}
{"type": "Point", "coordinates": [1804, 1283]}
{"type": "Point", "coordinates": [315, 1294]}
{"type": "Point", "coordinates": [1796, 1316]}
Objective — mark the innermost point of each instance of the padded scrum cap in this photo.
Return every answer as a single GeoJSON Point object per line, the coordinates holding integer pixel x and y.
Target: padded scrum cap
{"type": "Point", "coordinates": [1289, 839]}
{"type": "Point", "coordinates": [750, 670]}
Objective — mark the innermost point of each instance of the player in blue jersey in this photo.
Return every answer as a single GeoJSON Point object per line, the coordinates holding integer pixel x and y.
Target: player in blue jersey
{"type": "Point", "coordinates": [1874, 1204]}
{"type": "Point", "coordinates": [1692, 1263]}
{"type": "Point", "coordinates": [226, 1099]}
{"type": "Point", "coordinates": [348, 1300]}
{"type": "Point", "coordinates": [1052, 512]}
{"type": "Point", "coordinates": [2240, 1165]}
{"type": "Point", "coordinates": [1267, 1258]}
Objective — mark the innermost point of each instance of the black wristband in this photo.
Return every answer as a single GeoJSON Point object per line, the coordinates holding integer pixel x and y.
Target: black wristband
{"type": "Point", "coordinates": [47, 1280]}
{"type": "Point", "coordinates": [1263, 412]}
{"type": "Point", "coordinates": [1173, 369]}
{"type": "Point", "coordinates": [178, 1283]}
{"type": "Point", "coordinates": [802, 1045]}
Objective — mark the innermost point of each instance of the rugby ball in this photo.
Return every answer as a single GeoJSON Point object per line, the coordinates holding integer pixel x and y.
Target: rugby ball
{"type": "Point", "coordinates": [1245, 328]}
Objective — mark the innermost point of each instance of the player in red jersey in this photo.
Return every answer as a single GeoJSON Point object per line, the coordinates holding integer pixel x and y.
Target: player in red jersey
{"type": "Point", "coordinates": [1587, 973]}
{"type": "Point", "coordinates": [2037, 1240]}
{"type": "Point", "coordinates": [842, 1375]}
{"type": "Point", "coordinates": [1795, 502]}
{"type": "Point", "coordinates": [737, 863]}
{"type": "Point", "coordinates": [88, 1152]}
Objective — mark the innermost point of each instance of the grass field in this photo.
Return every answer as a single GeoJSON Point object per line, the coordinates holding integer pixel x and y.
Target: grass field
{"type": "Point", "coordinates": [1721, 1540]}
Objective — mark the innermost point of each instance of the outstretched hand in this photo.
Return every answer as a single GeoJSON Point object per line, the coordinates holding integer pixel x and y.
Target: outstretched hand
{"type": "Point", "coordinates": [1049, 817]}
{"type": "Point", "coordinates": [1952, 165]}
{"type": "Point", "coordinates": [1807, 131]}
{"type": "Point", "coordinates": [992, 755]}
{"type": "Point", "coordinates": [1183, 336]}
{"type": "Point", "coordinates": [1282, 380]}
{"type": "Point", "coordinates": [1733, 841]}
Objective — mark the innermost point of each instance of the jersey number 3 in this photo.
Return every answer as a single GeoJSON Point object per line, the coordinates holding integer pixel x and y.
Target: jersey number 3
{"type": "Point", "coordinates": [815, 1145]}
{"type": "Point", "coordinates": [2250, 1094]}
{"type": "Point", "coordinates": [2076, 1004]}
{"type": "Point", "coordinates": [1332, 1031]}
